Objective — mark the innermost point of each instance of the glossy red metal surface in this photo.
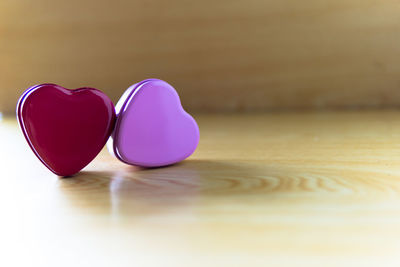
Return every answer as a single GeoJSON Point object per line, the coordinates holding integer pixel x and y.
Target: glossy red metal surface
{"type": "Point", "coordinates": [65, 128]}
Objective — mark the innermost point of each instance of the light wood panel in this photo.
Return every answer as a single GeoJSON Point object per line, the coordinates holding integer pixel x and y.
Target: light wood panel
{"type": "Point", "coordinates": [261, 190]}
{"type": "Point", "coordinates": [220, 55]}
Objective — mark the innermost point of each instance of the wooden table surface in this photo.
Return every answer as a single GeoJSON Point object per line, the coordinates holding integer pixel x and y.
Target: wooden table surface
{"type": "Point", "coordinates": [288, 189]}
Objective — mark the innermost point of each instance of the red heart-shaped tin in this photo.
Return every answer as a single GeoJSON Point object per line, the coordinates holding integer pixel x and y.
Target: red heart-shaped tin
{"type": "Point", "coordinates": [65, 128]}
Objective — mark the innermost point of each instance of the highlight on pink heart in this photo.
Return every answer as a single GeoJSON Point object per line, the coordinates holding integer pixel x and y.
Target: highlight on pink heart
{"type": "Point", "coordinates": [152, 128]}
{"type": "Point", "coordinates": [65, 128]}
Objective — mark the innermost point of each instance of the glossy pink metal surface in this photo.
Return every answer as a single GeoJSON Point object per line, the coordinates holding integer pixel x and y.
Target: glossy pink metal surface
{"type": "Point", "coordinates": [65, 128]}
{"type": "Point", "coordinates": [152, 128]}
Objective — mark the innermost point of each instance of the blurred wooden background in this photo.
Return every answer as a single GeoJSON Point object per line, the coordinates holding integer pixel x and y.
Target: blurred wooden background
{"type": "Point", "coordinates": [226, 55]}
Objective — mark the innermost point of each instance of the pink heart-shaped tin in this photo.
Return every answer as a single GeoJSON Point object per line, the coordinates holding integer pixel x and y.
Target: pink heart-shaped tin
{"type": "Point", "coordinates": [152, 128]}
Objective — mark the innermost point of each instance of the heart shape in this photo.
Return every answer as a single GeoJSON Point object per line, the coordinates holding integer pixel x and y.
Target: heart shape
{"type": "Point", "coordinates": [152, 128]}
{"type": "Point", "coordinates": [65, 128]}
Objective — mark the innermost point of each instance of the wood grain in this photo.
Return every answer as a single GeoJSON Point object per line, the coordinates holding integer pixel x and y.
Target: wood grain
{"type": "Point", "coordinates": [220, 55]}
{"type": "Point", "coordinates": [279, 189]}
